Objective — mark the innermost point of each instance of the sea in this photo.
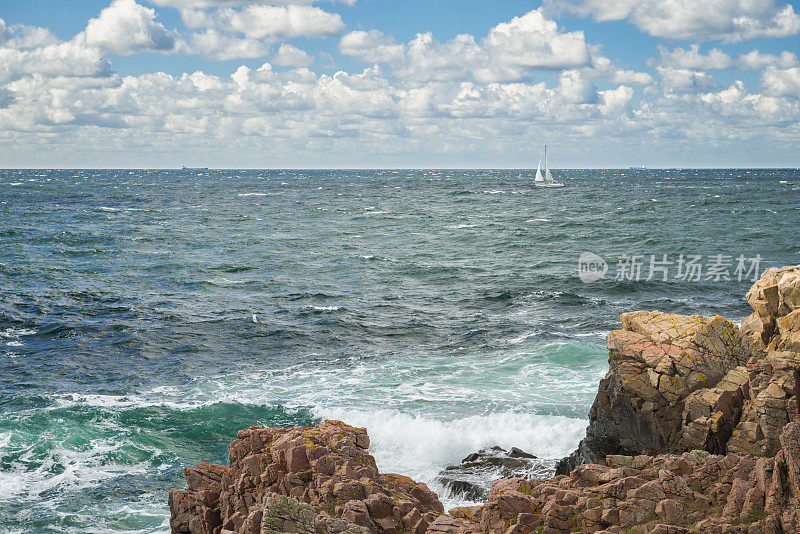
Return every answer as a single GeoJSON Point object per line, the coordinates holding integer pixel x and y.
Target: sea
{"type": "Point", "coordinates": [147, 315]}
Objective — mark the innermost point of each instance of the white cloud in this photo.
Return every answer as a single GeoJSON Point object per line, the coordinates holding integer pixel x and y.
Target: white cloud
{"type": "Point", "coordinates": [533, 41]}
{"type": "Point", "coordinates": [756, 60]}
{"type": "Point", "coordinates": [508, 53]}
{"type": "Point", "coordinates": [291, 56]}
{"type": "Point", "coordinates": [631, 77]}
{"type": "Point", "coordinates": [724, 20]}
{"type": "Point", "coordinates": [685, 80]}
{"type": "Point", "coordinates": [576, 89]}
{"type": "Point", "coordinates": [464, 97]}
{"type": "Point", "coordinates": [267, 22]}
{"type": "Point", "coordinates": [72, 59]}
{"type": "Point", "coordinates": [22, 36]}
{"type": "Point", "coordinates": [220, 46]}
{"type": "Point", "coordinates": [604, 69]}
{"type": "Point", "coordinates": [372, 46]}
{"type": "Point", "coordinates": [615, 101]}
{"type": "Point", "coordinates": [126, 27]}
{"type": "Point", "coordinates": [782, 82]}
{"type": "Point", "coordinates": [737, 103]}
{"type": "Point", "coordinates": [681, 58]}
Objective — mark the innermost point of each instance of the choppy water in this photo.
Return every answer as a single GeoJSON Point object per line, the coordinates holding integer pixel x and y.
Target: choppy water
{"type": "Point", "coordinates": [145, 316]}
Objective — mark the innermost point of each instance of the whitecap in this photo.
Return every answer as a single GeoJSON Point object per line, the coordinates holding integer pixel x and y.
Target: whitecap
{"type": "Point", "coordinates": [17, 332]}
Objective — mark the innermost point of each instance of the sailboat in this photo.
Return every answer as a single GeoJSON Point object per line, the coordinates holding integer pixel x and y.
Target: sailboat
{"type": "Point", "coordinates": [546, 180]}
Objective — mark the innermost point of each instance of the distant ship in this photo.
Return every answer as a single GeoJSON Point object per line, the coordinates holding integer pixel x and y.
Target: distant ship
{"type": "Point", "coordinates": [546, 180]}
{"type": "Point", "coordinates": [185, 168]}
{"type": "Point", "coordinates": [637, 168]}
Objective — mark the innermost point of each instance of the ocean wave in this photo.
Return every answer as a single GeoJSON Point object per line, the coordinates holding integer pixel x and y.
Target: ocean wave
{"type": "Point", "coordinates": [421, 447]}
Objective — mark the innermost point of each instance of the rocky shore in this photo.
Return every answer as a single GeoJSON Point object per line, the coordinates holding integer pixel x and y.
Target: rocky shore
{"type": "Point", "coordinates": [695, 428]}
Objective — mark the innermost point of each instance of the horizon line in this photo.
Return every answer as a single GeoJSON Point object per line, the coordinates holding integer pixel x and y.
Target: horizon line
{"type": "Point", "coordinates": [629, 168]}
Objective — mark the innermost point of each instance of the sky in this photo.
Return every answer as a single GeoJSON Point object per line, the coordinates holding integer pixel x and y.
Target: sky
{"type": "Point", "coordinates": [399, 84]}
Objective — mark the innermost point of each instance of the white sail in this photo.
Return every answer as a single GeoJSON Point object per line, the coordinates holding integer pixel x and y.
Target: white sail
{"type": "Point", "coordinates": [547, 180]}
{"type": "Point", "coordinates": [547, 176]}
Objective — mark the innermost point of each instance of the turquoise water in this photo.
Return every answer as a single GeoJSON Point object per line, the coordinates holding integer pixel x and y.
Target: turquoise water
{"type": "Point", "coordinates": [145, 316]}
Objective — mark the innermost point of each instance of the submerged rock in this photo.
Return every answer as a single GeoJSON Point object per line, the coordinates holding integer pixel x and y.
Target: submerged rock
{"type": "Point", "coordinates": [472, 478]}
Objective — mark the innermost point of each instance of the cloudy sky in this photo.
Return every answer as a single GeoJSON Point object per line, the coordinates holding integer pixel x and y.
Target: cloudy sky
{"type": "Point", "coordinates": [412, 83]}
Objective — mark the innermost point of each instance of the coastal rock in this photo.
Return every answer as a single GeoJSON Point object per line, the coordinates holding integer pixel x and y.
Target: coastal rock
{"type": "Point", "coordinates": [720, 401]}
{"type": "Point", "coordinates": [317, 480]}
{"type": "Point", "coordinates": [655, 362]}
{"type": "Point", "coordinates": [667, 494]}
{"type": "Point", "coordinates": [678, 382]}
{"type": "Point", "coordinates": [471, 479]}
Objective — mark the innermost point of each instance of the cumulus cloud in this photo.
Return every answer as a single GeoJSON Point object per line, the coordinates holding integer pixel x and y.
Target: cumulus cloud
{"type": "Point", "coordinates": [22, 36]}
{"type": "Point", "coordinates": [685, 80]}
{"type": "Point", "coordinates": [126, 27]}
{"type": "Point", "coordinates": [73, 59]}
{"type": "Point", "coordinates": [291, 56]}
{"type": "Point", "coordinates": [724, 20]}
{"type": "Point", "coordinates": [782, 82]}
{"type": "Point", "coordinates": [755, 60]}
{"type": "Point", "coordinates": [603, 68]}
{"type": "Point", "coordinates": [681, 58]}
{"type": "Point", "coordinates": [465, 95]}
{"type": "Point", "coordinates": [508, 52]}
{"type": "Point", "coordinates": [267, 21]}
{"type": "Point", "coordinates": [372, 46]}
{"type": "Point", "coordinates": [534, 41]}
{"type": "Point", "coordinates": [221, 46]}
{"type": "Point", "coordinates": [615, 101]}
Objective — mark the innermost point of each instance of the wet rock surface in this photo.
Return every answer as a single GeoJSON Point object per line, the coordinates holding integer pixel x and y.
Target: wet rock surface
{"type": "Point", "coordinates": [472, 478]}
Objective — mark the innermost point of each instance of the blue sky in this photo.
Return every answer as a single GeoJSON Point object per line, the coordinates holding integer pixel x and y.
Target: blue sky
{"type": "Point", "coordinates": [373, 83]}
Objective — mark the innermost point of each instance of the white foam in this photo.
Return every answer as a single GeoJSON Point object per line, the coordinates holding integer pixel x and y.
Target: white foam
{"type": "Point", "coordinates": [16, 332]}
{"type": "Point", "coordinates": [421, 447]}
{"type": "Point", "coordinates": [65, 468]}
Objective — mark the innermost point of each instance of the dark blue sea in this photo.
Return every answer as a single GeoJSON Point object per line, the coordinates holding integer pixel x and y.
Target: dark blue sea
{"type": "Point", "coordinates": [147, 315]}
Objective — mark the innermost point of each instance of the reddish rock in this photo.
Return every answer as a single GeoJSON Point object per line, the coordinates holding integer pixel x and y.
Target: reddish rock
{"type": "Point", "coordinates": [326, 468]}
